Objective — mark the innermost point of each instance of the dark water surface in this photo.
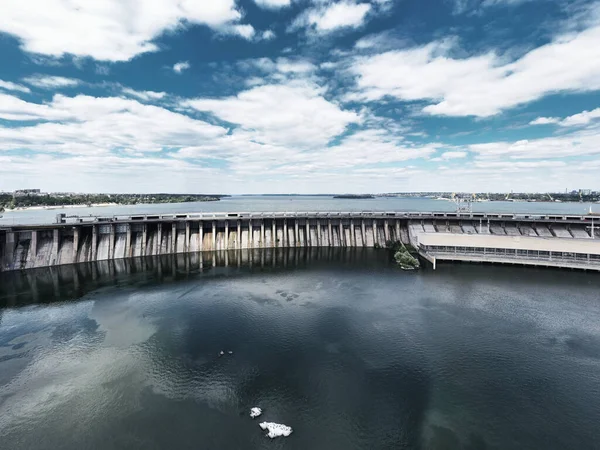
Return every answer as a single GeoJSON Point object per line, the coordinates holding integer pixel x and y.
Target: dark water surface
{"type": "Point", "coordinates": [348, 350]}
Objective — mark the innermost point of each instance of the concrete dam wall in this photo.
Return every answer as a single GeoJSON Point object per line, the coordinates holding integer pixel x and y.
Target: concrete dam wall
{"type": "Point", "coordinates": [74, 240]}
{"type": "Point", "coordinates": [44, 246]}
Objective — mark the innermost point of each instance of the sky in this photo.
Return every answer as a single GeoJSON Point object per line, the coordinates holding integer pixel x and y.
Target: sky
{"type": "Point", "coordinates": [299, 96]}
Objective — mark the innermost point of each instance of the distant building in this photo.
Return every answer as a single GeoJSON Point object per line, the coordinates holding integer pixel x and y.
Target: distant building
{"type": "Point", "coordinates": [585, 191]}
{"type": "Point", "coordinates": [22, 192]}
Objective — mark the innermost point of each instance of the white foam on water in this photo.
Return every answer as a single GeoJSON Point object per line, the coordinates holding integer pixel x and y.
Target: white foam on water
{"type": "Point", "coordinates": [276, 429]}
{"type": "Point", "coordinates": [255, 412]}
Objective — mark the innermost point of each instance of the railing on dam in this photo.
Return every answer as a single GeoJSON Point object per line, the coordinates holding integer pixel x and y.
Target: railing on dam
{"type": "Point", "coordinates": [586, 261]}
{"type": "Point", "coordinates": [205, 216]}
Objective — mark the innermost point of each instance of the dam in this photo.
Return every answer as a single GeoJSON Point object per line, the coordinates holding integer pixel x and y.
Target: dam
{"type": "Point", "coordinates": [540, 240]}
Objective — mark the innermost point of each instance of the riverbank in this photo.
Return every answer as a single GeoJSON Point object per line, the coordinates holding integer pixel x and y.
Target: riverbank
{"type": "Point", "coordinates": [49, 208]}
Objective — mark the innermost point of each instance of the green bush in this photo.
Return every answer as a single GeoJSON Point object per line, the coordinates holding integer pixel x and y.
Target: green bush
{"type": "Point", "coordinates": [405, 260]}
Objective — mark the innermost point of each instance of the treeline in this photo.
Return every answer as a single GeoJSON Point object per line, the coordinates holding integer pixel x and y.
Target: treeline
{"type": "Point", "coordinates": [9, 201]}
{"type": "Point", "coordinates": [529, 197]}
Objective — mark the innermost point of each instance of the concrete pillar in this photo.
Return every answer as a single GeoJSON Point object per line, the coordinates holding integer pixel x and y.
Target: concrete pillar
{"type": "Point", "coordinates": [398, 234]}
{"type": "Point", "coordinates": [330, 235]}
{"type": "Point", "coordinates": [286, 240]}
{"type": "Point", "coordinates": [307, 235]}
{"type": "Point", "coordinates": [342, 237]}
{"type": "Point", "coordinates": [226, 235]}
{"type": "Point", "coordinates": [262, 233]}
{"type": "Point", "coordinates": [273, 235]}
{"type": "Point", "coordinates": [34, 238]}
{"type": "Point", "coordinates": [111, 243]}
{"type": "Point", "coordinates": [318, 234]}
{"type": "Point", "coordinates": [159, 237]}
{"type": "Point", "coordinates": [375, 240]}
{"type": "Point", "coordinates": [214, 236]}
{"type": "Point", "coordinates": [128, 242]}
{"type": "Point", "coordinates": [296, 233]}
{"type": "Point", "coordinates": [55, 245]}
{"type": "Point", "coordinates": [250, 235]}
{"type": "Point", "coordinates": [9, 249]}
{"type": "Point", "coordinates": [94, 242]}
{"type": "Point", "coordinates": [363, 232]}
{"type": "Point", "coordinates": [186, 247]}
{"type": "Point", "coordinates": [144, 239]}
{"type": "Point", "coordinates": [352, 234]}
{"type": "Point", "coordinates": [75, 242]}
{"type": "Point", "coordinates": [386, 230]}
{"type": "Point", "coordinates": [173, 237]}
{"type": "Point", "coordinates": [238, 239]}
{"type": "Point", "coordinates": [201, 237]}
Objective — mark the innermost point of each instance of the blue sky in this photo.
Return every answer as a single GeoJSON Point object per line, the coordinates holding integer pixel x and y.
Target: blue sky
{"type": "Point", "coordinates": [299, 96]}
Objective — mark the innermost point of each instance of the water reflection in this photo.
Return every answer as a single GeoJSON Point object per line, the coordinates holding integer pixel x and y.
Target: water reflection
{"type": "Point", "coordinates": [58, 283]}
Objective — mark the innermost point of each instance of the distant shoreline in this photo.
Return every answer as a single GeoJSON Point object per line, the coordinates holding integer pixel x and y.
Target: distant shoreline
{"type": "Point", "coordinates": [354, 196]}
{"type": "Point", "coordinates": [52, 207]}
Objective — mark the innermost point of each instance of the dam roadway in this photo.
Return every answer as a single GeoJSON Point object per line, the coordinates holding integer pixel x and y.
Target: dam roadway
{"type": "Point", "coordinates": [566, 241]}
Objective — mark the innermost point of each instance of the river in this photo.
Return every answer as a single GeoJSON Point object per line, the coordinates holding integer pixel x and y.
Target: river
{"type": "Point", "coordinates": [340, 345]}
{"type": "Point", "coordinates": [297, 204]}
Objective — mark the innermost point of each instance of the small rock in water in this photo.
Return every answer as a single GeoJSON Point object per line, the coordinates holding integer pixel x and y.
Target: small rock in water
{"type": "Point", "coordinates": [230, 352]}
{"type": "Point", "coordinates": [221, 353]}
{"type": "Point", "coordinates": [276, 429]}
{"type": "Point", "coordinates": [255, 412]}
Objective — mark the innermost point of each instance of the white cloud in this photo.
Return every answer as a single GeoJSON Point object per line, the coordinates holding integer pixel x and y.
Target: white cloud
{"type": "Point", "coordinates": [51, 82]}
{"type": "Point", "coordinates": [245, 31]}
{"type": "Point", "coordinates": [295, 113]}
{"type": "Point", "coordinates": [512, 165]}
{"type": "Point", "coordinates": [374, 146]}
{"type": "Point", "coordinates": [108, 30]}
{"type": "Point", "coordinates": [91, 125]}
{"type": "Point", "coordinates": [144, 95]}
{"type": "Point", "coordinates": [488, 3]}
{"type": "Point", "coordinates": [482, 85]}
{"type": "Point", "coordinates": [267, 35]}
{"type": "Point", "coordinates": [280, 66]}
{"type": "Point", "coordinates": [273, 3]}
{"type": "Point", "coordinates": [181, 66]}
{"type": "Point", "coordinates": [332, 16]}
{"type": "Point", "coordinates": [544, 121]}
{"type": "Point", "coordinates": [471, 6]}
{"type": "Point", "coordinates": [13, 108]}
{"type": "Point", "coordinates": [580, 143]}
{"type": "Point", "coordinates": [581, 119]}
{"type": "Point", "coordinates": [10, 86]}
{"type": "Point", "coordinates": [453, 155]}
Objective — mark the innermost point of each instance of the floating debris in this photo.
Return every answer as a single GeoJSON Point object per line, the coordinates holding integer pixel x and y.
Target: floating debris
{"type": "Point", "coordinates": [221, 353]}
{"type": "Point", "coordinates": [255, 412]}
{"type": "Point", "coordinates": [230, 352]}
{"type": "Point", "coordinates": [276, 429]}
